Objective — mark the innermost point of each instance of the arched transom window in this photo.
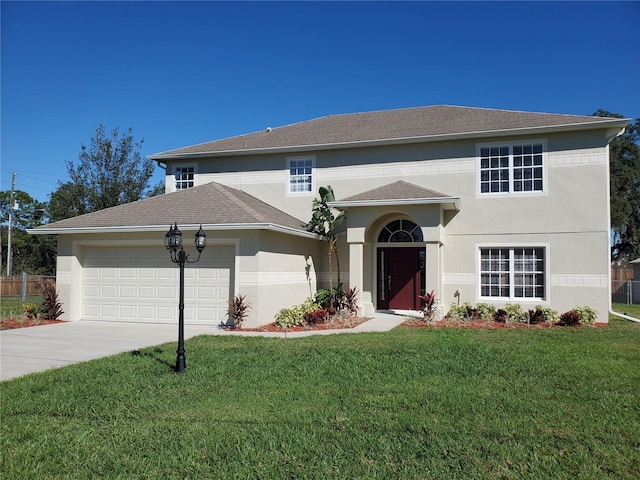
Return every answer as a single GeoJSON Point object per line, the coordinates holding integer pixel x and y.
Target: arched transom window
{"type": "Point", "coordinates": [400, 231]}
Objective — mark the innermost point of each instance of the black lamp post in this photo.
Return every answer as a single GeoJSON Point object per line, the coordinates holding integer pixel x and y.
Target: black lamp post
{"type": "Point", "coordinates": [173, 242]}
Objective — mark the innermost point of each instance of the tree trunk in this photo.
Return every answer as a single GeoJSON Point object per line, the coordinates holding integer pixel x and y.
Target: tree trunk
{"type": "Point", "coordinates": [335, 249]}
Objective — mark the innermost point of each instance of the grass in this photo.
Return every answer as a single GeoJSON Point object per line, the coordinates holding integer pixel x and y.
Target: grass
{"type": "Point", "coordinates": [12, 306]}
{"type": "Point", "coordinates": [410, 403]}
{"type": "Point", "coordinates": [631, 310]}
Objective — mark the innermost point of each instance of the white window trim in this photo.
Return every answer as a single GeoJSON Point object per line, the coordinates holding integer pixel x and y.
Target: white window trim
{"type": "Point", "coordinates": [172, 176]}
{"type": "Point", "coordinates": [312, 192]}
{"type": "Point", "coordinates": [510, 144]}
{"type": "Point", "coordinates": [513, 299]}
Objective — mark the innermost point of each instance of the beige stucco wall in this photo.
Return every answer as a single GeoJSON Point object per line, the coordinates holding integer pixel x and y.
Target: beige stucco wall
{"type": "Point", "coordinates": [276, 271]}
{"type": "Point", "coordinates": [570, 218]}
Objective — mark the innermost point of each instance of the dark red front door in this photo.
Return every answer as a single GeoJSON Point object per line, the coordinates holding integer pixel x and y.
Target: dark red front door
{"type": "Point", "coordinates": [399, 278]}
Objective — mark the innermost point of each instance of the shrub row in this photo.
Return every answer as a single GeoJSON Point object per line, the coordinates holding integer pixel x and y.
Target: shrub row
{"type": "Point", "coordinates": [513, 312]}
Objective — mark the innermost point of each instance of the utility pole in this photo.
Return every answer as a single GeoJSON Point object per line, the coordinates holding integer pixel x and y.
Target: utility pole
{"type": "Point", "coordinates": [13, 186]}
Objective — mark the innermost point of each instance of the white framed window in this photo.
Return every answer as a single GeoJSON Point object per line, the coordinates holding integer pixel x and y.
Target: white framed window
{"type": "Point", "coordinates": [300, 174]}
{"type": "Point", "coordinates": [184, 176]}
{"type": "Point", "coordinates": [513, 273]}
{"type": "Point", "coordinates": [517, 167]}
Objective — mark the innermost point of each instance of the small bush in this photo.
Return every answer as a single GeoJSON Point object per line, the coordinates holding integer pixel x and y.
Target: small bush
{"type": "Point", "coordinates": [321, 315]}
{"type": "Point", "coordinates": [542, 315]}
{"type": "Point", "coordinates": [51, 307]}
{"type": "Point", "coordinates": [569, 319]}
{"type": "Point", "coordinates": [485, 311]}
{"type": "Point", "coordinates": [293, 316]}
{"type": "Point", "coordinates": [588, 315]}
{"type": "Point", "coordinates": [429, 306]}
{"type": "Point", "coordinates": [330, 298]}
{"type": "Point", "coordinates": [460, 312]}
{"type": "Point", "coordinates": [238, 309]}
{"type": "Point", "coordinates": [515, 313]}
{"type": "Point", "coordinates": [500, 316]}
{"type": "Point", "coordinates": [348, 301]}
{"type": "Point", "coordinates": [31, 310]}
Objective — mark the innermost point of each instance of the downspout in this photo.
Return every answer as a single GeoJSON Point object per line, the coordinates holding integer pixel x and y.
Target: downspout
{"type": "Point", "coordinates": [611, 312]}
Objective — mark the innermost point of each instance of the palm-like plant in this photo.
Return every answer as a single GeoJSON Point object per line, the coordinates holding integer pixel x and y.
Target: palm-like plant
{"type": "Point", "coordinates": [324, 222]}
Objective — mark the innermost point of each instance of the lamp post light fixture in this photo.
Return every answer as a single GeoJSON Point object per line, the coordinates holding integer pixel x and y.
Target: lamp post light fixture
{"type": "Point", "coordinates": [173, 242]}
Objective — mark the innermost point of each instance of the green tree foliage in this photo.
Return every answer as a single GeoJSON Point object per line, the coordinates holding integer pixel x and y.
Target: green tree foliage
{"type": "Point", "coordinates": [33, 254]}
{"type": "Point", "coordinates": [324, 223]}
{"type": "Point", "coordinates": [625, 190]}
{"type": "Point", "coordinates": [110, 172]}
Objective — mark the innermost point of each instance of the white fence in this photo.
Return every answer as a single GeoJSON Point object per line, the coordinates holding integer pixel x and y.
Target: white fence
{"type": "Point", "coordinates": [627, 292]}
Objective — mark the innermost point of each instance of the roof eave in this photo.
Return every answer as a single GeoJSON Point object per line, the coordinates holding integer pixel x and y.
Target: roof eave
{"type": "Point", "coordinates": [606, 123]}
{"type": "Point", "coordinates": [448, 203]}
{"type": "Point", "coordinates": [163, 228]}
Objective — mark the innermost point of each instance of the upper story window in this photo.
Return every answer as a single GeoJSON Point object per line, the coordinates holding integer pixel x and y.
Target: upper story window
{"type": "Point", "coordinates": [512, 273]}
{"type": "Point", "coordinates": [400, 231]}
{"type": "Point", "coordinates": [512, 168]}
{"type": "Point", "coordinates": [184, 176]}
{"type": "Point", "coordinates": [300, 174]}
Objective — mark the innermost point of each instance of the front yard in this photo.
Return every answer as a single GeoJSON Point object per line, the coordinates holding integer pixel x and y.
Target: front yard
{"type": "Point", "coordinates": [557, 403]}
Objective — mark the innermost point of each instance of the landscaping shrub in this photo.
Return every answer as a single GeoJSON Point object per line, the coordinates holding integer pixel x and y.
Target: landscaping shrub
{"type": "Point", "coordinates": [238, 309]}
{"type": "Point", "coordinates": [460, 312]}
{"type": "Point", "coordinates": [515, 313]}
{"type": "Point", "coordinates": [500, 316]}
{"type": "Point", "coordinates": [485, 311]}
{"type": "Point", "coordinates": [542, 315]}
{"type": "Point", "coordinates": [569, 319]}
{"type": "Point", "coordinates": [588, 315]}
{"type": "Point", "coordinates": [30, 310]}
{"type": "Point", "coordinates": [429, 306]}
{"type": "Point", "coordinates": [293, 316]}
{"type": "Point", "coordinates": [330, 298]}
{"type": "Point", "coordinates": [578, 316]}
{"type": "Point", "coordinates": [348, 301]}
{"type": "Point", "coordinates": [342, 300]}
{"type": "Point", "coordinates": [51, 307]}
{"type": "Point", "coordinates": [321, 315]}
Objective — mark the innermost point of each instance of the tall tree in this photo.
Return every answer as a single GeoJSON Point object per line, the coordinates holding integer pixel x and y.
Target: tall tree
{"type": "Point", "coordinates": [624, 167]}
{"type": "Point", "coordinates": [33, 254]}
{"type": "Point", "coordinates": [324, 223]}
{"type": "Point", "coordinates": [110, 172]}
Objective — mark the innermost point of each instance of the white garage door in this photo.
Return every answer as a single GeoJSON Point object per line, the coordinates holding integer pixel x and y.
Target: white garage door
{"type": "Point", "coordinates": [141, 284]}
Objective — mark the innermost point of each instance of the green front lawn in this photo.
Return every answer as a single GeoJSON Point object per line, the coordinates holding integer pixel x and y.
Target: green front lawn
{"type": "Point", "coordinates": [631, 310]}
{"type": "Point", "coordinates": [411, 403]}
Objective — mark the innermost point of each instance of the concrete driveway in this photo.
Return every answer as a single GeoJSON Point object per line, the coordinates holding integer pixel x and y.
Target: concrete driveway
{"type": "Point", "coordinates": [34, 349]}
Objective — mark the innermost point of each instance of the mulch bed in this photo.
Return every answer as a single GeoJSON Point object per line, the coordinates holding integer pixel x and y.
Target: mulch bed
{"type": "Point", "coordinates": [271, 327]}
{"type": "Point", "coordinates": [11, 323]}
{"type": "Point", "coordinates": [478, 323]}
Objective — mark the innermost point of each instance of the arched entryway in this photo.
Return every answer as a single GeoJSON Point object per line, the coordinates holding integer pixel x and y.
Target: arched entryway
{"type": "Point", "coordinates": [400, 266]}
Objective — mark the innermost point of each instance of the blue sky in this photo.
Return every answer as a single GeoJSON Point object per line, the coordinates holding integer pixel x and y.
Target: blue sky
{"type": "Point", "coordinates": [181, 73]}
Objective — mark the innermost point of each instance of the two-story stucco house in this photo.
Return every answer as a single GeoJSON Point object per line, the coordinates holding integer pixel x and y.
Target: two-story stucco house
{"type": "Point", "coordinates": [479, 205]}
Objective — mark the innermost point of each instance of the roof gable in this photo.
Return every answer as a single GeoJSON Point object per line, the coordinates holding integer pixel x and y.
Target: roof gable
{"type": "Point", "coordinates": [211, 204]}
{"type": "Point", "coordinates": [399, 190]}
{"type": "Point", "coordinates": [398, 193]}
{"type": "Point", "coordinates": [391, 126]}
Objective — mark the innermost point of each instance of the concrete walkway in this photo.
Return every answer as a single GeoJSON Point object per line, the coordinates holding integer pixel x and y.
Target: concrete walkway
{"type": "Point", "coordinates": [34, 349]}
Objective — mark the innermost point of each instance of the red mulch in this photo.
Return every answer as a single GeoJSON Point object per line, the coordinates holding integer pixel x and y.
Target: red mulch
{"type": "Point", "coordinates": [10, 323]}
{"type": "Point", "coordinates": [271, 327]}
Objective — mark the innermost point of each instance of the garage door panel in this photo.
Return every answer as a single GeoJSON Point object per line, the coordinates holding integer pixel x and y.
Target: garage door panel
{"type": "Point", "coordinates": [141, 284]}
{"type": "Point", "coordinates": [109, 291]}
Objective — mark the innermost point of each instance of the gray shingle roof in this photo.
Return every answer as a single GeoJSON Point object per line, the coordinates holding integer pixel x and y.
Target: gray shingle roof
{"type": "Point", "coordinates": [400, 190]}
{"type": "Point", "coordinates": [388, 126]}
{"type": "Point", "coordinates": [209, 204]}
{"type": "Point", "coordinates": [398, 193]}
